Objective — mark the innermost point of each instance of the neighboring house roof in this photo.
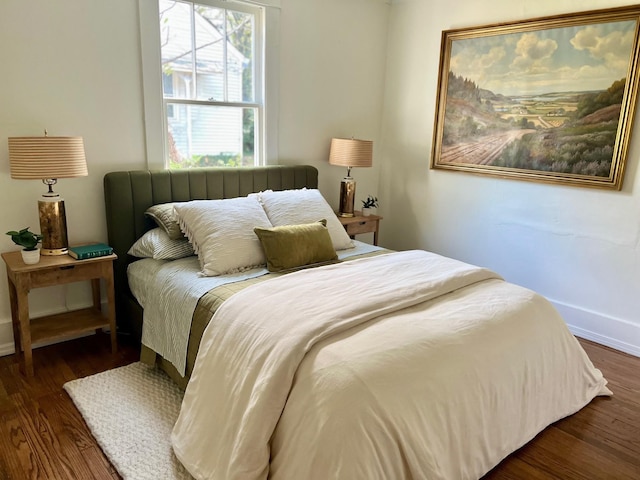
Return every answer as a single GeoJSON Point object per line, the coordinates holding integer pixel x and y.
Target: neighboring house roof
{"type": "Point", "coordinates": [176, 41]}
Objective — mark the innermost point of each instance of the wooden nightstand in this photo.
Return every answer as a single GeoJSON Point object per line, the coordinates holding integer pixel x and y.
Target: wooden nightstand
{"type": "Point", "coordinates": [361, 224]}
{"type": "Point", "coordinates": [57, 270]}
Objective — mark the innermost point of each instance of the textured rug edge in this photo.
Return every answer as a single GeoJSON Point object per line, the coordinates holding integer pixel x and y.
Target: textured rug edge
{"type": "Point", "coordinates": [130, 411]}
{"type": "Point", "coordinates": [71, 388]}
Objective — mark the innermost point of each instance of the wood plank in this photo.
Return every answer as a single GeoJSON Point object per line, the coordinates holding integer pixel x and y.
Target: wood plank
{"type": "Point", "coordinates": [565, 456]}
{"type": "Point", "coordinates": [614, 433]}
{"type": "Point", "coordinates": [71, 458]}
{"type": "Point", "coordinates": [15, 461]}
{"type": "Point", "coordinates": [98, 463]}
{"type": "Point", "coordinates": [67, 324]}
{"type": "Point", "coordinates": [44, 442]}
{"type": "Point", "coordinates": [513, 468]}
{"type": "Point", "coordinates": [19, 451]}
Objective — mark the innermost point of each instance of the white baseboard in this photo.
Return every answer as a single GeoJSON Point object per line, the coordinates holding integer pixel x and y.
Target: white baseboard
{"type": "Point", "coordinates": [6, 338]}
{"type": "Point", "coordinates": [606, 330]}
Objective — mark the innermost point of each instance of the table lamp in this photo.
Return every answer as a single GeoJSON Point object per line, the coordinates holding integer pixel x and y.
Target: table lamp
{"type": "Point", "coordinates": [349, 153]}
{"type": "Point", "coordinates": [49, 158]}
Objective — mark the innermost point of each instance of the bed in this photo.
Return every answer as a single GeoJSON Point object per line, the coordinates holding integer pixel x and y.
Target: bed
{"type": "Point", "coordinates": [374, 364]}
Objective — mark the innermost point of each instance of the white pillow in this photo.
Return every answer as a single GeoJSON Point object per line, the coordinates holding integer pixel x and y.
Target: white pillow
{"type": "Point", "coordinates": [295, 207]}
{"type": "Point", "coordinates": [157, 244]}
{"type": "Point", "coordinates": [222, 235]}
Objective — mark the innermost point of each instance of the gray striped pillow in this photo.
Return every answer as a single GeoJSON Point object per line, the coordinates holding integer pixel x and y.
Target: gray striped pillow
{"type": "Point", "coordinates": [157, 244]}
{"type": "Point", "coordinates": [165, 218]}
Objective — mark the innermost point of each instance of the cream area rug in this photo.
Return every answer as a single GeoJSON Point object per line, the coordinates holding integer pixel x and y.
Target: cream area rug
{"type": "Point", "coordinates": [131, 411]}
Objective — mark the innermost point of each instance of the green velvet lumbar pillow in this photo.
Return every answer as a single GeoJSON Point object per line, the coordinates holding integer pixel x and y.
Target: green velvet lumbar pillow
{"type": "Point", "coordinates": [292, 246]}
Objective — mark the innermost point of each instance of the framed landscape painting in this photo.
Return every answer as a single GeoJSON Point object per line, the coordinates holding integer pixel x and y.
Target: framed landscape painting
{"type": "Point", "coordinates": [550, 99]}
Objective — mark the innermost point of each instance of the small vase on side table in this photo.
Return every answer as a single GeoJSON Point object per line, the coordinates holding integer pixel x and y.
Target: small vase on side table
{"type": "Point", "coordinates": [30, 257]}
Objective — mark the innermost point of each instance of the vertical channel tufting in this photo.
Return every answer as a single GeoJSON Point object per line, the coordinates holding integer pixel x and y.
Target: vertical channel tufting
{"type": "Point", "coordinates": [129, 194]}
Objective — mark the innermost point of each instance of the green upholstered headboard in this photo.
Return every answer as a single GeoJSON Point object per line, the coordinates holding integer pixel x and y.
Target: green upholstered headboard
{"type": "Point", "coordinates": [128, 194]}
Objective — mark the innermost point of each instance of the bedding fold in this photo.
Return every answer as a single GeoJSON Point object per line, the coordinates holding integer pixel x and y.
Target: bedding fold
{"type": "Point", "coordinates": [169, 292]}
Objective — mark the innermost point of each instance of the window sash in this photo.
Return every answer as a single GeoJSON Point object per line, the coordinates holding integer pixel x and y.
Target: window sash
{"type": "Point", "coordinates": [196, 50]}
{"type": "Point", "coordinates": [195, 53]}
{"type": "Point", "coordinates": [268, 53]}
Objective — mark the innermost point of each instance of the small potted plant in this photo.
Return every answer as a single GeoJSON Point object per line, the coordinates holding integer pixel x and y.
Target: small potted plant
{"type": "Point", "coordinates": [369, 205]}
{"type": "Point", "coordinates": [29, 243]}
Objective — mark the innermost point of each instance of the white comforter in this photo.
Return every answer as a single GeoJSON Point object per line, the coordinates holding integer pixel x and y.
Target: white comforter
{"type": "Point", "coordinates": [169, 290]}
{"type": "Point", "coordinates": [406, 365]}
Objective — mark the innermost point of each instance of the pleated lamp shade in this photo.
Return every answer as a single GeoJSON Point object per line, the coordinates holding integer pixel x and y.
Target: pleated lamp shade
{"type": "Point", "coordinates": [351, 152]}
{"type": "Point", "coordinates": [47, 157]}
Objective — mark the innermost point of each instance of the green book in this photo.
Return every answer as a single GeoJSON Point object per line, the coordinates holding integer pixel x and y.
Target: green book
{"type": "Point", "coordinates": [82, 252]}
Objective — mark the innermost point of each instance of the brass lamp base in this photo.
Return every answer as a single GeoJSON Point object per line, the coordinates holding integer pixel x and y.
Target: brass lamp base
{"type": "Point", "coordinates": [53, 226]}
{"type": "Point", "coordinates": [54, 251]}
{"type": "Point", "coordinates": [347, 197]}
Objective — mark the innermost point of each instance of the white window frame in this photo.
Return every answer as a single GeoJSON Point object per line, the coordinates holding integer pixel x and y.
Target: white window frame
{"type": "Point", "coordinates": [266, 90]}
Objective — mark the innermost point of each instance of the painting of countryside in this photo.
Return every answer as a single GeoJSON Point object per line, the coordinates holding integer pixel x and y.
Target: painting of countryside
{"type": "Point", "coordinates": [538, 100]}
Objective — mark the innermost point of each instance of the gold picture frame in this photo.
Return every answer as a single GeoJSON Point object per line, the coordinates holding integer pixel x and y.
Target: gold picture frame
{"type": "Point", "coordinates": [548, 99]}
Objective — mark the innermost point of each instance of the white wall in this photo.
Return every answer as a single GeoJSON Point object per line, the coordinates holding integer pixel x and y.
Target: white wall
{"type": "Point", "coordinates": [579, 247]}
{"type": "Point", "coordinates": [73, 67]}
{"type": "Point", "coordinates": [332, 57]}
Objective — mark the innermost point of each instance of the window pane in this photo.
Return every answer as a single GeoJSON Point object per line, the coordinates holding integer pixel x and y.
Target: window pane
{"type": "Point", "coordinates": [216, 61]}
{"type": "Point", "coordinates": [210, 52]}
{"type": "Point", "coordinates": [240, 56]}
{"type": "Point", "coordinates": [203, 135]}
{"type": "Point", "coordinates": [176, 47]}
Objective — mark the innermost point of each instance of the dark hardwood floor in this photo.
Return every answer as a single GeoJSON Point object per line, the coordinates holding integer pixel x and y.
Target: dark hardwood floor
{"type": "Point", "coordinates": [43, 436]}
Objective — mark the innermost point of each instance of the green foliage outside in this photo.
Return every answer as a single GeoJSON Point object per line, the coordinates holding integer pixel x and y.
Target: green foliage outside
{"type": "Point", "coordinates": [219, 160]}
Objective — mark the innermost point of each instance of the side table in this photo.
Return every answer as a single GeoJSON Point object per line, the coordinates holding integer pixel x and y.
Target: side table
{"type": "Point", "coordinates": [361, 224]}
{"type": "Point", "coordinates": [57, 270]}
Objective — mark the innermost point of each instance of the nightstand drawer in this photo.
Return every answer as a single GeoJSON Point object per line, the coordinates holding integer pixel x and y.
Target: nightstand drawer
{"type": "Point", "coordinates": [361, 227]}
{"type": "Point", "coordinates": [65, 274]}
{"type": "Point", "coordinates": [361, 224]}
